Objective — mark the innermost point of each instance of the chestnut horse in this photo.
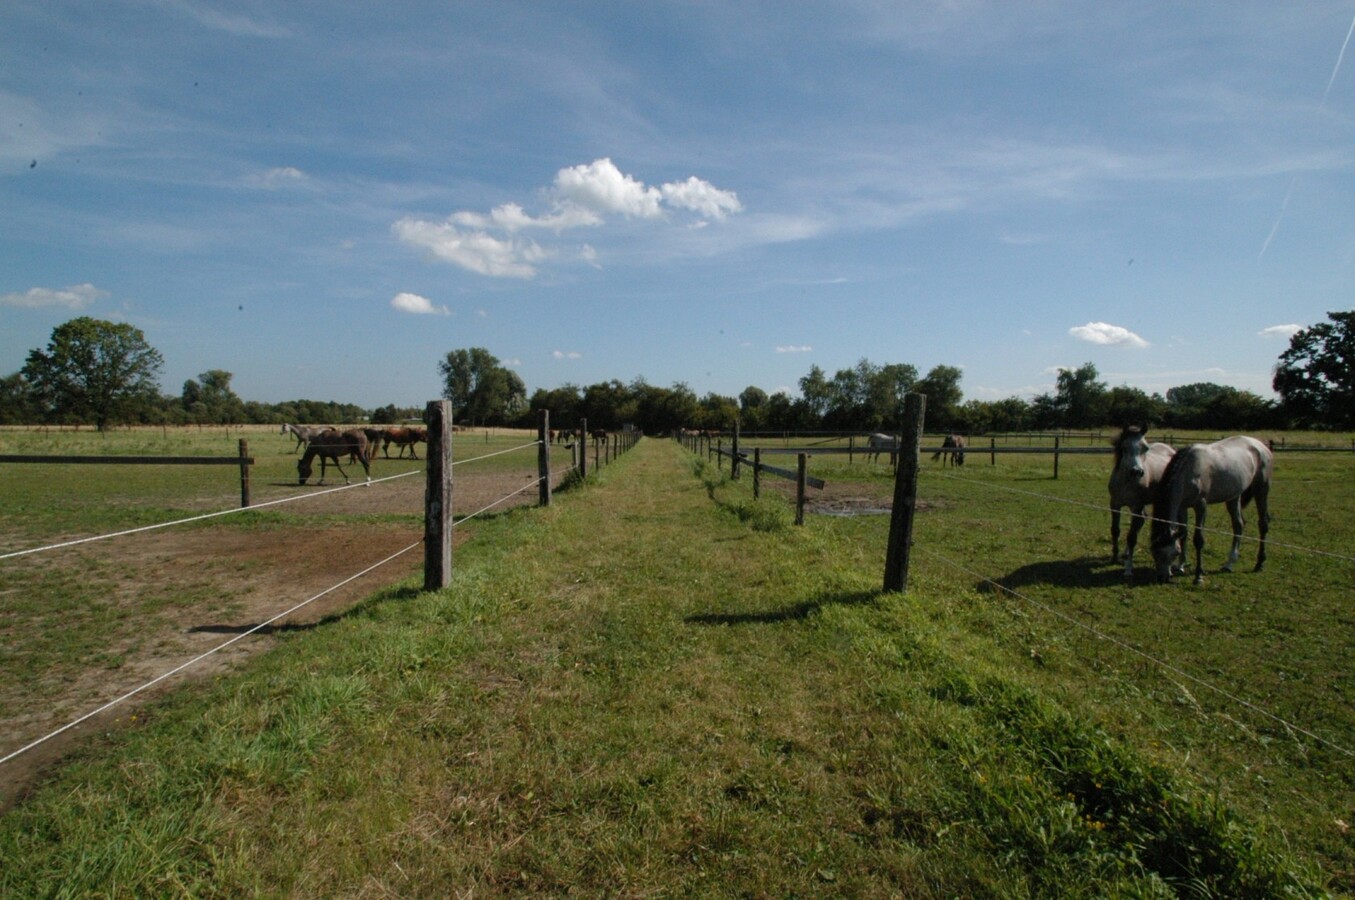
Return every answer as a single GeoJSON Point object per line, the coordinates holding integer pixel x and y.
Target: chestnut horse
{"type": "Point", "coordinates": [330, 446]}
{"type": "Point", "coordinates": [402, 438]}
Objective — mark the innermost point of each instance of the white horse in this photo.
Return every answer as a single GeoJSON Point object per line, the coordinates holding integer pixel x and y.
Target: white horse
{"type": "Point", "coordinates": [1134, 476]}
{"type": "Point", "coordinates": [1233, 472]}
{"type": "Point", "coordinates": [302, 433]}
{"type": "Point", "coordinates": [877, 442]}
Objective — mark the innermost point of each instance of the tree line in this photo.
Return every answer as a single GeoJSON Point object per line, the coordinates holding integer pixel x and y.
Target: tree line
{"type": "Point", "coordinates": [105, 373]}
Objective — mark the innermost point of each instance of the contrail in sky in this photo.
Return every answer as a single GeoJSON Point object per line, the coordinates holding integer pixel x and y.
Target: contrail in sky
{"type": "Point", "coordinates": [1330, 81]}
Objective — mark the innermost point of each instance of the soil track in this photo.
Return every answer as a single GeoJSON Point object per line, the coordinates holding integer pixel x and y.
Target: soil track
{"type": "Point", "coordinates": [253, 575]}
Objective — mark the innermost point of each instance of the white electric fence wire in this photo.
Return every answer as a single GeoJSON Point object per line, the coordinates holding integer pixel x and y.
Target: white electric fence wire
{"type": "Point", "coordinates": [195, 660]}
{"type": "Point", "coordinates": [211, 515]}
{"type": "Point", "coordinates": [1146, 517]}
{"type": "Point", "coordinates": [504, 499]}
{"type": "Point", "coordinates": [495, 453]}
{"type": "Point", "coordinates": [1130, 648]}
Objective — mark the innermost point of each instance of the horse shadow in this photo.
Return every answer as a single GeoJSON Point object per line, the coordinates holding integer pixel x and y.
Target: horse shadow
{"type": "Point", "coordinates": [793, 613]}
{"type": "Point", "coordinates": [362, 606]}
{"type": "Point", "coordinates": [1083, 572]}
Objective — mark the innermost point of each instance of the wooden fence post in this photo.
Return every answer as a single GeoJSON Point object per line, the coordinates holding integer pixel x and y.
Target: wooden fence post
{"type": "Point", "coordinates": [543, 458]}
{"type": "Point", "coordinates": [437, 520]}
{"type": "Point", "coordinates": [1056, 457]}
{"type": "Point", "coordinates": [992, 451]}
{"type": "Point", "coordinates": [734, 459]}
{"type": "Point", "coordinates": [244, 472]}
{"type": "Point", "coordinates": [757, 472]}
{"type": "Point", "coordinates": [800, 490]}
{"type": "Point", "coordinates": [905, 494]}
{"type": "Point", "coordinates": [582, 441]}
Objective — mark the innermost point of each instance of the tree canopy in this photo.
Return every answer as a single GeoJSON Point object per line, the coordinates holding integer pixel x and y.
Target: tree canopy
{"type": "Point", "coordinates": [1315, 377]}
{"type": "Point", "coordinates": [96, 370]}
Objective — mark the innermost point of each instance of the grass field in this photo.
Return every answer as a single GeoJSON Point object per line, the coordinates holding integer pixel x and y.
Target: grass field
{"type": "Point", "coordinates": [659, 686]}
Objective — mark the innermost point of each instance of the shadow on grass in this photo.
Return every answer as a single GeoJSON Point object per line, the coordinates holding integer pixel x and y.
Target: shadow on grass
{"type": "Point", "coordinates": [362, 606]}
{"type": "Point", "coordinates": [793, 613]}
{"type": "Point", "coordinates": [1085, 572]}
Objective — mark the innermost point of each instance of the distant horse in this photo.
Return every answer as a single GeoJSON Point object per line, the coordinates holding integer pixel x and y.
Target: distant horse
{"type": "Point", "coordinates": [1134, 476]}
{"type": "Point", "coordinates": [1233, 472]}
{"type": "Point", "coordinates": [598, 434]}
{"type": "Point", "coordinates": [877, 442]}
{"type": "Point", "coordinates": [402, 438]}
{"type": "Point", "coordinates": [330, 446]}
{"type": "Point", "coordinates": [302, 433]}
{"type": "Point", "coordinates": [952, 448]}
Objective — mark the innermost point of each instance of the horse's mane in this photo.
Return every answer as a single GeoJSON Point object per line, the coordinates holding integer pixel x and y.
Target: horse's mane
{"type": "Point", "coordinates": [1117, 442]}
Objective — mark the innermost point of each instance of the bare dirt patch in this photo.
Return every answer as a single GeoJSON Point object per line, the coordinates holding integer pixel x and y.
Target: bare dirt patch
{"type": "Point", "coordinates": [249, 576]}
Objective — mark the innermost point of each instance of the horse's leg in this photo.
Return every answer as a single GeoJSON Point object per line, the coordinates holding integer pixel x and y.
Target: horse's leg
{"type": "Point", "coordinates": [1263, 525]}
{"type": "Point", "coordinates": [1131, 540]}
{"type": "Point", "coordinates": [1235, 513]}
{"type": "Point", "coordinates": [1114, 532]}
{"type": "Point", "coordinates": [1199, 542]}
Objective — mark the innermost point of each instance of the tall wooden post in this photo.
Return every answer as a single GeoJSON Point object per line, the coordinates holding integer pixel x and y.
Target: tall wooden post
{"type": "Point", "coordinates": [905, 494]}
{"type": "Point", "coordinates": [757, 472]}
{"type": "Point", "coordinates": [244, 472]}
{"type": "Point", "coordinates": [1056, 457]}
{"type": "Point", "coordinates": [582, 442]}
{"type": "Point", "coordinates": [734, 459]}
{"type": "Point", "coordinates": [543, 457]}
{"type": "Point", "coordinates": [437, 519]}
{"type": "Point", "coordinates": [800, 489]}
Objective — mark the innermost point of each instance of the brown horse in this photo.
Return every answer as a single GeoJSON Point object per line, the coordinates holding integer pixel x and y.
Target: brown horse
{"type": "Point", "coordinates": [402, 438]}
{"type": "Point", "coordinates": [952, 449]}
{"type": "Point", "coordinates": [330, 446]}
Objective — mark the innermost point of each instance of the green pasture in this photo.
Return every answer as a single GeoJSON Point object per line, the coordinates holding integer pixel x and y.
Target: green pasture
{"type": "Point", "coordinates": [659, 686]}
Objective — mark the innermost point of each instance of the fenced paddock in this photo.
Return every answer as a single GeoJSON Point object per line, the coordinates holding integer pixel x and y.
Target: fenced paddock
{"type": "Point", "coordinates": [1249, 676]}
{"type": "Point", "coordinates": [83, 623]}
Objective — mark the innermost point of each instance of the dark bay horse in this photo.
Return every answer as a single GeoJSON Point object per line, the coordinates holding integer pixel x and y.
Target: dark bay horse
{"type": "Point", "coordinates": [1233, 471]}
{"type": "Point", "coordinates": [1134, 476]}
{"type": "Point", "coordinates": [330, 446]}
{"type": "Point", "coordinates": [952, 449]}
{"type": "Point", "coordinates": [402, 438]}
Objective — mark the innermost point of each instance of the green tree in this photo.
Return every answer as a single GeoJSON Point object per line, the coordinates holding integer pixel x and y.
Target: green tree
{"type": "Point", "coordinates": [941, 385]}
{"type": "Point", "coordinates": [480, 389]}
{"type": "Point", "coordinates": [17, 405]}
{"type": "Point", "coordinates": [1126, 405]}
{"type": "Point", "coordinates": [752, 408]}
{"type": "Point", "coordinates": [1315, 377]}
{"type": "Point", "coordinates": [816, 392]}
{"type": "Point", "coordinates": [95, 370]}
{"type": "Point", "coordinates": [212, 400]}
{"type": "Point", "coordinates": [1080, 398]}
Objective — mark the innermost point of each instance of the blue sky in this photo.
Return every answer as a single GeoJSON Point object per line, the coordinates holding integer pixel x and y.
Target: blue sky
{"type": "Point", "coordinates": [326, 198]}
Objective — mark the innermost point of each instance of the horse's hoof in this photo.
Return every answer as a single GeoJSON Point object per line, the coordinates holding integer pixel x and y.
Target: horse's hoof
{"type": "Point", "coordinates": [1199, 579]}
{"type": "Point", "coordinates": [1227, 568]}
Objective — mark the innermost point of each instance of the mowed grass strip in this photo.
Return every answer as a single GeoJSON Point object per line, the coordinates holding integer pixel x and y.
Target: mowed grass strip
{"type": "Point", "coordinates": [649, 688]}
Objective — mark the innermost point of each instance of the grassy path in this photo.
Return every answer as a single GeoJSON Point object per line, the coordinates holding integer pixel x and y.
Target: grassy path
{"type": "Point", "coordinates": [634, 692]}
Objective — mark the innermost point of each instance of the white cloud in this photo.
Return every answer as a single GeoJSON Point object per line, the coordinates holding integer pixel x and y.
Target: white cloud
{"type": "Point", "coordinates": [1107, 335]}
{"type": "Point", "coordinates": [602, 187]}
{"type": "Point", "coordinates": [77, 296]}
{"type": "Point", "coordinates": [582, 196]}
{"type": "Point", "coordinates": [560, 354]}
{"type": "Point", "coordinates": [794, 349]}
{"type": "Point", "coordinates": [475, 250]}
{"type": "Point", "coordinates": [282, 176]}
{"type": "Point", "coordinates": [702, 197]}
{"type": "Point", "coordinates": [1280, 331]}
{"type": "Point", "coordinates": [413, 303]}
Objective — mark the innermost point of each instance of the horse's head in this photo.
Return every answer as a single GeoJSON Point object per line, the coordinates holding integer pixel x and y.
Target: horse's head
{"type": "Point", "coordinates": [303, 469]}
{"type": "Point", "coordinates": [1130, 448]}
{"type": "Point", "coordinates": [1168, 544]}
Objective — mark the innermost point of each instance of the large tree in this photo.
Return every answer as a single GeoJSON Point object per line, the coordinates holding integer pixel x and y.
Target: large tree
{"type": "Point", "coordinates": [481, 390]}
{"type": "Point", "coordinates": [1315, 377]}
{"type": "Point", "coordinates": [95, 370]}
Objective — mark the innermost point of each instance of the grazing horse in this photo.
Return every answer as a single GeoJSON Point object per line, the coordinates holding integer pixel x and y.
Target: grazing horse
{"type": "Point", "coordinates": [330, 446]}
{"type": "Point", "coordinates": [302, 433]}
{"type": "Point", "coordinates": [952, 448]}
{"type": "Point", "coordinates": [1134, 476]}
{"type": "Point", "coordinates": [1233, 472]}
{"type": "Point", "coordinates": [402, 438]}
{"type": "Point", "coordinates": [877, 442]}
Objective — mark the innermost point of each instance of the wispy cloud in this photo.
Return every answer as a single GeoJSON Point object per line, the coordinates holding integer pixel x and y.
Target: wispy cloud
{"type": "Point", "coordinates": [413, 303]}
{"type": "Point", "coordinates": [1107, 335]}
{"type": "Point", "coordinates": [1280, 331]}
{"type": "Point", "coordinates": [792, 348]}
{"type": "Point", "coordinates": [561, 354]}
{"type": "Point", "coordinates": [582, 196]}
{"type": "Point", "coordinates": [77, 296]}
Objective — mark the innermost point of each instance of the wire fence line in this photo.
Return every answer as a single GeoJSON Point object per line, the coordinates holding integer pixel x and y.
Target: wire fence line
{"type": "Point", "coordinates": [199, 658]}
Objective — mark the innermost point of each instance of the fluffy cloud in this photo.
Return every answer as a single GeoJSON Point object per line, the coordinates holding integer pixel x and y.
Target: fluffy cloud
{"type": "Point", "coordinates": [1280, 331]}
{"type": "Point", "coordinates": [77, 296]}
{"type": "Point", "coordinates": [582, 196]}
{"type": "Point", "coordinates": [413, 303]}
{"type": "Point", "coordinates": [1107, 335]}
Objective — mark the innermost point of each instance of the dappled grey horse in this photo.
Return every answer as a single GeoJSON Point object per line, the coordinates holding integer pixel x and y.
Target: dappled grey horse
{"type": "Point", "coordinates": [1233, 471]}
{"type": "Point", "coordinates": [1134, 476]}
